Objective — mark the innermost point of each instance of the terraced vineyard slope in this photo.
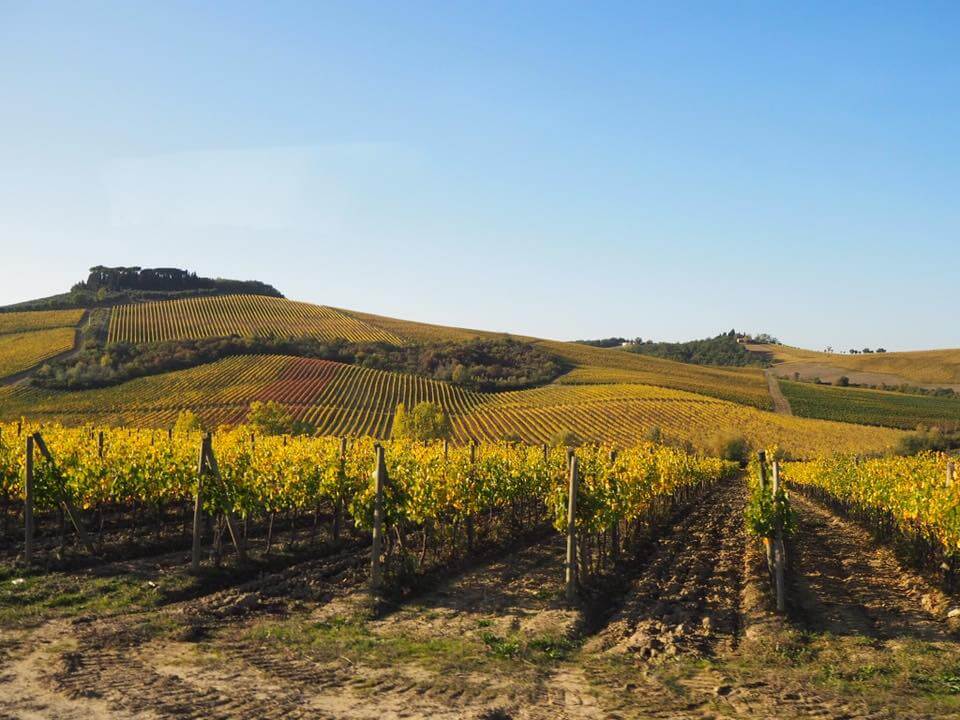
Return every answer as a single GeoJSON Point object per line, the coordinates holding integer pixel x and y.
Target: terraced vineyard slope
{"type": "Point", "coordinates": [422, 332]}
{"type": "Point", "coordinates": [243, 315]}
{"type": "Point", "coordinates": [22, 351]}
{"type": "Point", "coordinates": [29, 338]}
{"type": "Point", "coordinates": [18, 322]}
{"type": "Point", "coordinates": [871, 407]}
{"type": "Point", "coordinates": [349, 400]}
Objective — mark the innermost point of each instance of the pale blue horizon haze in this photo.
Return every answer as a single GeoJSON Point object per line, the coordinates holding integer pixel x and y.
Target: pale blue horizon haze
{"type": "Point", "coordinates": [565, 170]}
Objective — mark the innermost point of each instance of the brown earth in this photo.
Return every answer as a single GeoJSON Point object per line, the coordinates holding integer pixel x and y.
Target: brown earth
{"type": "Point", "coordinates": [690, 635]}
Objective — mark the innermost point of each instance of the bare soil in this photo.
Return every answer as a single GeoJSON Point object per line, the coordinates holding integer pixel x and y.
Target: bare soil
{"type": "Point", "coordinates": [688, 634]}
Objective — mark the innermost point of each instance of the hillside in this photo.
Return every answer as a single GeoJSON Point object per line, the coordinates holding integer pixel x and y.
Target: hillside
{"type": "Point", "coordinates": [347, 400]}
{"type": "Point", "coordinates": [245, 315]}
{"type": "Point", "coordinates": [601, 394]}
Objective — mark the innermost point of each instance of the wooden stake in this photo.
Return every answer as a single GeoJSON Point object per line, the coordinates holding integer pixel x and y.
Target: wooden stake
{"type": "Point", "coordinates": [238, 542]}
{"type": "Point", "coordinates": [65, 502]}
{"type": "Point", "coordinates": [779, 550]}
{"type": "Point", "coordinates": [100, 444]}
{"type": "Point", "coordinates": [338, 506]}
{"type": "Point", "coordinates": [379, 479]}
{"type": "Point", "coordinates": [762, 457]}
{"type": "Point", "coordinates": [198, 508]}
{"type": "Point", "coordinates": [28, 504]}
{"type": "Point", "coordinates": [950, 473]}
{"type": "Point", "coordinates": [470, 529]}
{"type": "Point", "coordinates": [571, 566]}
{"type": "Point", "coordinates": [615, 530]}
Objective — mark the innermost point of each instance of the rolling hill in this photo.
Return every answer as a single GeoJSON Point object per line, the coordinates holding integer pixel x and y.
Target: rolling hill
{"type": "Point", "coordinates": [603, 394]}
{"type": "Point", "coordinates": [348, 400]}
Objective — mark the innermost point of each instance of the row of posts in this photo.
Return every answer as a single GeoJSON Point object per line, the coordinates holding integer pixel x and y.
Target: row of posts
{"type": "Point", "coordinates": [208, 472]}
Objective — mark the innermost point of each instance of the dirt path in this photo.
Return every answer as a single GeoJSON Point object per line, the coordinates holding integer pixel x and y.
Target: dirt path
{"type": "Point", "coordinates": [781, 405]}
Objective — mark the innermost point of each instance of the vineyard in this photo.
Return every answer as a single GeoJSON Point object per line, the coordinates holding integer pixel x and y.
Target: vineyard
{"type": "Point", "coordinates": [247, 575]}
{"type": "Point", "coordinates": [19, 322]}
{"type": "Point", "coordinates": [916, 499]}
{"type": "Point", "coordinates": [437, 490]}
{"type": "Point", "coordinates": [349, 400]}
{"type": "Point", "coordinates": [422, 332]}
{"type": "Point", "coordinates": [20, 351]}
{"type": "Point", "coordinates": [746, 386]}
{"type": "Point", "coordinates": [870, 407]}
{"type": "Point", "coordinates": [243, 315]}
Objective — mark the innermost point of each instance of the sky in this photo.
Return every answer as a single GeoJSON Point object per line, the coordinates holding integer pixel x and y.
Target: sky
{"type": "Point", "coordinates": [666, 170]}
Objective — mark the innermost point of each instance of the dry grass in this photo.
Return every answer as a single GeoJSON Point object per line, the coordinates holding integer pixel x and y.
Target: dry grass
{"type": "Point", "coordinates": [922, 367]}
{"type": "Point", "coordinates": [598, 365]}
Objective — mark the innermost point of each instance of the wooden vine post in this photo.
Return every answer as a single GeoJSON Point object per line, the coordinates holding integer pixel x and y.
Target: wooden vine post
{"type": "Point", "coordinates": [207, 468]}
{"type": "Point", "coordinates": [571, 564]}
{"type": "Point", "coordinates": [63, 499]}
{"type": "Point", "coordinates": [28, 503]}
{"type": "Point", "coordinates": [951, 472]}
{"type": "Point", "coordinates": [473, 461]}
{"type": "Point", "coordinates": [238, 542]}
{"type": "Point", "coordinates": [376, 546]}
{"type": "Point", "coordinates": [338, 505]}
{"type": "Point", "coordinates": [780, 551]}
{"type": "Point", "coordinates": [198, 508]}
{"type": "Point", "coordinates": [615, 530]}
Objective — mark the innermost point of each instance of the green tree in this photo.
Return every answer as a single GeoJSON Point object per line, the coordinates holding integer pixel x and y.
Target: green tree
{"type": "Point", "coordinates": [272, 418]}
{"type": "Point", "coordinates": [187, 422]}
{"type": "Point", "coordinates": [426, 421]}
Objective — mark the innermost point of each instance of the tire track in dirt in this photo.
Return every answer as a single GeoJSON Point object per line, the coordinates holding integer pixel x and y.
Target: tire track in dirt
{"type": "Point", "coordinates": [844, 583]}
{"type": "Point", "coordinates": [684, 600]}
{"type": "Point", "coordinates": [841, 583]}
{"type": "Point", "coordinates": [517, 593]}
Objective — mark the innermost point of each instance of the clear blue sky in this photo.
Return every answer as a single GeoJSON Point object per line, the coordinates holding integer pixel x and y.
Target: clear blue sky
{"type": "Point", "coordinates": [566, 170]}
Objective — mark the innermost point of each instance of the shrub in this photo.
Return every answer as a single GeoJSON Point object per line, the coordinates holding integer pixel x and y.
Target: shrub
{"type": "Point", "coordinates": [654, 434]}
{"type": "Point", "coordinates": [566, 438]}
{"type": "Point", "coordinates": [730, 447]}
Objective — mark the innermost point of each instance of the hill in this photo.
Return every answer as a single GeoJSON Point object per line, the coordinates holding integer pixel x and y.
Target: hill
{"type": "Point", "coordinates": [348, 400]}
{"type": "Point", "coordinates": [29, 338]}
{"type": "Point", "coordinates": [345, 372]}
{"type": "Point", "coordinates": [106, 287]}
